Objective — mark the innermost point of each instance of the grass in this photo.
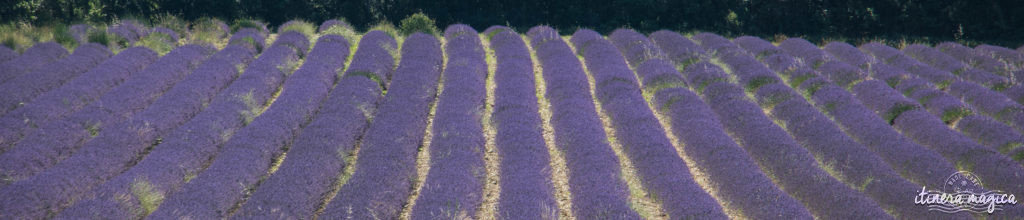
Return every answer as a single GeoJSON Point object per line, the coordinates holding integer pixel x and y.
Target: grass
{"type": "Point", "coordinates": [149, 197]}
{"type": "Point", "coordinates": [158, 42]}
{"type": "Point", "coordinates": [300, 26]}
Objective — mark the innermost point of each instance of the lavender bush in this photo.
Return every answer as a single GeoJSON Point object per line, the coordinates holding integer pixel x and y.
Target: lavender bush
{"type": "Point", "coordinates": [454, 185]}
{"type": "Point", "coordinates": [52, 126]}
{"type": "Point", "coordinates": [779, 155]}
{"type": "Point", "coordinates": [526, 186]}
{"type": "Point", "coordinates": [183, 101]}
{"type": "Point", "coordinates": [594, 181]}
{"type": "Point", "coordinates": [37, 56]}
{"type": "Point", "coordinates": [97, 161]}
{"type": "Point", "coordinates": [386, 165]}
{"type": "Point", "coordinates": [22, 89]}
{"type": "Point", "coordinates": [657, 162]}
{"type": "Point", "coordinates": [245, 159]}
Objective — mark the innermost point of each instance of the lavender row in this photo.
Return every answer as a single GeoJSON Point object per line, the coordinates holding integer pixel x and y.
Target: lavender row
{"type": "Point", "coordinates": [113, 150]}
{"type": "Point", "coordinates": [995, 169]}
{"type": "Point", "coordinates": [849, 54]}
{"type": "Point", "coordinates": [976, 59]}
{"type": "Point", "coordinates": [951, 110]}
{"type": "Point", "coordinates": [915, 162]}
{"type": "Point", "coordinates": [39, 55]}
{"type": "Point", "coordinates": [245, 159]}
{"type": "Point", "coordinates": [643, 139]}
{"type": "Point", "coordinates": [994, 135]}
{"type": "Point", "coordinates": [386, 166]}
{"type": "Point", "coordinates": [526, 186]}
{"type": "Point", "coordinates": [736, 176]}
{"type": "Point", "coordinates": [454, 184]}
{"type": "Point", "coordinates": [759, 48]}
{"type": "Point", "coordinates": [44, 147]}
{"type": "Point", "coordinates": [929, 170]}
{"type": "Point", "coordinates": [986, 101]}
{"type": "Point", "coordinates": [1014, 59]}
{"type": "Point", "coordinates": [677, 48]}
{"type": "Point", "coordinates": [893, 57]}
{"type": "Point", "coordinates": [594, 182]}
{"type": "Point", "coordinates": [809, 53]}
{"type": "Point", "coordinates": [318, 154]}
{"type": "Point", "coordinates": [945, 62]}
{"type": "Point", "coordinates": [850, 161]}
{"type": "Point", "coordinates": [792, 166]}
{"type": "Point", "coordinates": [22, 89]}
{"type": "Point", "coordinates": [130, 30]}
{"type": "Point", "coordinates": [990, 103]}
{"type": "Point", "coordinates": [183, 150]}
{"type": "Point", "coordinates": [715, 45]}
{"type": "Point", "coordinates": [61, 102]}
{"type": "Point", "coordinates": [7, 54]}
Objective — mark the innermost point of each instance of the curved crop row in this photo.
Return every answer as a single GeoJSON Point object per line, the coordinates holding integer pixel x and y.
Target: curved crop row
{"type": "Point", "coordinates": [115, 150]}
{"type": "Point", "coordinates": [996, 170]}
{"type": "Point", "coordinates": [806, 51]}
{"type": "Point", "coordinates": [22, 89]}
{"type": "Point", "coordinates": [990, 103]}
{"type": "Point", "coordinates": [39, 55]}
{"type": "Point", "coordinates": [385, 167]}
{"type": "Point", "coordinates": [849, 54]}
{"type": "Point", "coordinates": [454, 184]}
{"type": "Point", "coordinates": [951, 110]}
{"type": "Point", "coordinates": [895, 58]}
{"type": "Point", "coordinates": [182, 151]}
{"type": "Point", "coordinates": [60, 139]}
{"type": "Point", "coordinates": [780, 156]}
{"type": "Point", "coordinates": [594, 181]}
{"type": "Point", "coordinates": [244, 160]}
{"type": "Point", "coordinates": [841, 156]}
{"type": "Point", "coordinates": [319, 153]}
{"type": "Point", "coordinates": [738, 178]}
{"type": "Point", "coordinates": [65, 100]}
{"type": "Point", "coordinates": [677, 48]}
{"type": "Point", "coordinates": [976, 59]}
{"type": "Point", "coordinates": [526, 186]}
{"type": "Point", "coordinates": [1009, 57]}
{"type": "Point", "coordinates": [945, 62]}
{"type": "Point", "coordinates": [7, 53]}
{"type": "Point", "coordinates": [643, 139]}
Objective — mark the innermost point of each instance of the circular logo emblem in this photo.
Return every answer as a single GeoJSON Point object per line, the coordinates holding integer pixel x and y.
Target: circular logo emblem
{"type": "Point", "coordinates": [963, 182]}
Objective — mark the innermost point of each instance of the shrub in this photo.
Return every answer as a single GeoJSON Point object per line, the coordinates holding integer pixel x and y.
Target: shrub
{"type": "Point", "coordinates": [300, 26]}
{"type": "Point", "coordinates": [418, 22]}
{"type": "Point", "coordinates": [62, 35]}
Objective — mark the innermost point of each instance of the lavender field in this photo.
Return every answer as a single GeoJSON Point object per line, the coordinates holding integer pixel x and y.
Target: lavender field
{"type": "Point", "coordinates": [310, 122]}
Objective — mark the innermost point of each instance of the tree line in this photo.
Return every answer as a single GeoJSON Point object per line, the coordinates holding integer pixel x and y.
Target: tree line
{"type": "Point", "coordinates": [994, 21]}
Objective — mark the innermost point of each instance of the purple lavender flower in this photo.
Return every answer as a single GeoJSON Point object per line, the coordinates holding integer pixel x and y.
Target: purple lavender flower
{"type": "Point", "coordinates": [454, 183]}
{"type": "Point", "coordinates": [526, 187]}
{"type": "Point", "coordinates": [179, 104]}
{"type": "Point", "coordinates": [678, 49]}
{"type": "Point", "coordinates": [39, 55]}
{"type": "Point", "coordinates": [97, 161]}
{"type": "Point", "coordinates": [22, 89]}
{"type": "Point", "coordinates": [767, 143]}
{"type": "Point", "coordinates": [242, 160]}
{"type": "Point", "coordinates": [809, 53]}
{"type": "Point", "coordinates": [660, 169]}
{"type": "Point", "coordinates": [597, 190]}
{"type": "Point", "coordinates": [849, 54]}
{"type": "Point", "coordinates": [387, 158]}
{"type": "Point", "coordinates": [50, 111]}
